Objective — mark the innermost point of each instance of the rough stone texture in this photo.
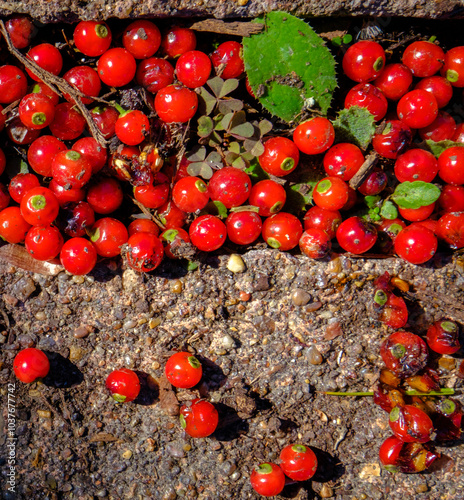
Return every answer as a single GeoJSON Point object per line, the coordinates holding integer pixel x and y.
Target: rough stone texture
{"type": "Point", "coordinates": [72, 10]}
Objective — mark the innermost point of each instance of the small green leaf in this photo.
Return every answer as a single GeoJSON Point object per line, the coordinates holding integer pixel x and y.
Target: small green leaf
{"type": "Point", "coordinates": [23, 167]}
{"type": "Point", "coordinates": [255, 172]}
{"type": "Point", "coordinates": [234, 147]}
{"type": "Point", "coordinates": [239, 163]}
{"type": "Point", "coordinates": [215, 208]}
{"type": "Point", "coordinates": [245, 208]}
{"type": "Point", "coordinates": [214, 139]}
{"type": "Point", "coordinates": [214, 158]}
{"type": "Point", "coordinates": [195, 168]}
{"type": "Point", "coordinates": [206, 102]}
{"type": "Point", "coordinates": [337, 41]}
{"type": "Point", "coordinates": [388, 210]}
{"type": "Point", "coordinates": [415, 194]}
{"type": "Point", "coordinates": [355, 125]}
{"type": "Point", "coordinates": [191, 265]}
{"type": "Point", "coordinates": [198, 153]}
{"type": "Point", "coordinates": [265, 126]}
{"type": "Point", "coordinates": [437, 148]}
{"type": "Point", "coordinates": [244, 130]}
{"type": "Point", "coordinates": [216, 84]}
{"type": "Point", "coordinates": [371, 201]}
{"type": "Point", "coordinates": [205, 126]}
{"type": "Point", "coordinates": [206, 172]}
{"type": "Point", "coordinates": [347, 39]}
{"type": "Point", "coordinates": [258, 149]}
{"type": "Point", "coordinates": [225, 122]}
{"type": "Point", "coordinates": [229, 105]}
{"type": "Point", "coordinates": [228, 86]}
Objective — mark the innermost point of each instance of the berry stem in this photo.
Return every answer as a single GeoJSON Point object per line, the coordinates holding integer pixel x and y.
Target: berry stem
{"type": "Point", "coordinates": [441, 392]}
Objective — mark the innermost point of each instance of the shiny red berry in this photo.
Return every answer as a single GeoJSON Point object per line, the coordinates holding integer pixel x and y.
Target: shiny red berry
{"type": "Point", "coordinates": [183, 370]}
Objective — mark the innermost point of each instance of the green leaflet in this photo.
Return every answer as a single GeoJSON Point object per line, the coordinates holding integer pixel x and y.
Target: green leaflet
{"type": "Point", "coordinates": [415, 194]}
{"type": "Point", "coordinates": [355, 125]}
{"type": "Point", "coordinates": [289, 67]}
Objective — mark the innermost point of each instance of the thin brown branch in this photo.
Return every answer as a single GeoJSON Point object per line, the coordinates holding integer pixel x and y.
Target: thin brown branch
{"type": "Point", "coordinates": [57, 84]}
{"type": "Point", "coordinates": [366, 168]}
{"type": "Point", "coordinates": [235, 28]}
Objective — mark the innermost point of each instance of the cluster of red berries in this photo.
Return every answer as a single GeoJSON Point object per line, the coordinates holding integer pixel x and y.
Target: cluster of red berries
{"type": "Point", "coordinates": [415, 420]}
{"type": "Point", "coordinates": [297, 462]}
{"type": "Point", "coordinates": [70, 206]}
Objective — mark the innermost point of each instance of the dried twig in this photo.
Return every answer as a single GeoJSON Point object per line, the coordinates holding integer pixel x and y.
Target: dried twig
{"type": "Point", "coordinates": [235, 28]}
{"type": "Point", "coordinates": [57, 84]}
{"type": "Point", "coordinates": [366, 168]}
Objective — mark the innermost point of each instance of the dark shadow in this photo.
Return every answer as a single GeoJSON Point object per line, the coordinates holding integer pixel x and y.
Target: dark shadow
{"type": "Point", "coordinates": [103, 273]}
{"type": "Point", "coordinates": [149, 390]}
{"type": "Point", "coordinates": [287, 425]}
{"type": "Point", "coordinates": [230, 426]}
{"type": "Point", "coordinates": [329, 467]}
{"type": "Point", "coordinates": [63, 373]}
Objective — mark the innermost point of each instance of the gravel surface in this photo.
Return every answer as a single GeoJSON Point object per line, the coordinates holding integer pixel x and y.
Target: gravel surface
{"type": "Point", "coordinates": [270, 338]}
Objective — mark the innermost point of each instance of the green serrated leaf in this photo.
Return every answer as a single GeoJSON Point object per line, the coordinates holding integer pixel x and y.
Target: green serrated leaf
{"type": "Point", "coordinates": [228, 86]}
{"type": "Point", "coordinates": [291, 63]}
{"type": "Point", "coordinates": [437, 148]}
{"type": "Point", "coordinates": [355, 125]}
{"type": "Point", "coordinates": [205, 126]}
{"type": "Point", "coordinates": [415, 194]}
{"type": "Point", "coordinates": [388, 210]}
{"type": "Point", "coordinates": [198, 153]}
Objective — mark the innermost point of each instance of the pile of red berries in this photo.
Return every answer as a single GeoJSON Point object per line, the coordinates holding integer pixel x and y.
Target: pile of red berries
{"type": "Point", "coordinates": [416, 417]}
{"type": "Point", "coordinates": [71, 201]}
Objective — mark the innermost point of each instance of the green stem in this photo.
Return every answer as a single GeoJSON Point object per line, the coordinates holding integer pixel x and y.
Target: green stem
{"type": "Point", "coordinates": [441, 392]}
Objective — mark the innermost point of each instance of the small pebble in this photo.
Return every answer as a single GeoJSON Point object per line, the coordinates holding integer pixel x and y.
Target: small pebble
{"type": "Point", "coordinates": [300, 297]}
{"type": "Point", "coordinates": [41, 316]}
{"type": "Point", "coordinates": [326, 491]}
{"type": "Point", "coordinates": [154, 322]}
{"type": "Point", "coordinates": [244, 296]}
{"type": "Point", "coordinates": [78, 280]}
{"type": "Point", "coordinates": [314, 356]}
{"type": "Point", "coordinates": [75, 353]}
{"type": "Point", "coordinates": [44, 413]}
{"type": "Point", "coordinates": [236, 264]}
{"type": "Point", "coordinates": [82, 331]}
{"type": "Point", "coordinates": [177, 286]}
{"type": "Point", "coordinates": [127, 454]}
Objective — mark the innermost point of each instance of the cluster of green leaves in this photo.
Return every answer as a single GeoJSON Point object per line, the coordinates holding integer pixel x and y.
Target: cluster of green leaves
{"type": "Point", "coordinates": [223, 127]}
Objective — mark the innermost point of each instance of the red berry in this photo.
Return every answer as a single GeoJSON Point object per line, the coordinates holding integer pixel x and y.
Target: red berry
{"type": "Point", "coordinates": [374, 184]}
{"type": "Point", "coordinates": [13, 84]}
{"type": "Point", "coordinates": [453, 69]}
{"type": "Point", "coordinates": [92, 151]}
{"type": "Point", "coordinates": [441, 129]}
{"type": "Point", "coordinates": [44, 242]}
{"type": "Point", "coordinates": [450, 165]}
{"type": "Point", "coordinates": [183, 370]}
{"type": "Point", "coordinates": [282, 231]}
{"type": "Point", "coordinates": [13, 227]}
{"type": "Point", "coordinates": [142, 38]}
{"type": "Point", "coordinates": [243, 227]}
{"type": "Point", "coordinates": [227, 59]}
{"type": "Point", "coordinates": [21, 30]}
{"type": "Point", "coordinates": [423, 58]}
{"type": "Point", "coordinates": [199, 418]}
{"type": "Point", "coordinates": [173, 238]}
{"type": "Point", "coordinates": [171, 216]}
{"type": "Point", "coordinates": [410, 424]}
{"type": "Point", "coordinates": [389, 453]}
{"type": "Point", "coordinates": [330, 193]}
{"type": "Point", "coordinates": [31, 364]}
{"type": "Point", "coordinates": [123, 384]}
{"type": "Point", "coordinates": [230, 186]}
{"type": "Point", "coordinates": [363, 61]}
{"type": "Point", "coordinates": [177, 41]}
{"type": "Point", "coordinates": [153, 195]}
{"type": "Point", "coordinates": [48, 57]}
{"type": "Point", "coordinates": [343, 160]}
{"type": "Point", "coordinates": [105, 195]}
{"type": "Point", "coordinates": [439, 86]}
{"type": "Point", "coordinates": [404, 353]}
{"type": "Point", "coordinates": [70, 168]}
{"type": "Point", "coordinates": [193, 68]}
{"type": "Point", "coordinates": [108, 235]}
{"type": "Point", "coordinates": [280, 157]}
{"type": "Point", "coordinates": [320, 218]}
{"type": "Point", "coordinates": [86, 80]}
{"type": "Point", "coordinates": [393, 140]}
{"type": "Point", "coordinates": [416, 244]}
{"type": "Point", "coordinates": [78, 218]}
{"type": "Point", "coordinates": [144, 252]}
{"type": "Point", "coordinates": [176, 104]}
{"type": "Point", "coordinates": [36, 111]}
{"type": "Point", "coordinates": [78, 256]}
{"type": "Point", "coordinates": [443, 337]}
{"type": "Point", "coordinates": [450, 228]}
{"type": "Point", "coordinates": [394, 81]}
{"type": "Point", "coordinates": [269, 196]}
{"type": "Point", "coordinates": [154, 74]}
{"type": "Point", "coordinates": [19, 133]}
{"type": "Point", "coordinates": [368, 97]}
{"type": "Point", "coordinates": [132, 127]}
{"type": "Point", "coordinates": [20, 184]}
{"type": "Point", "coordinates": [315, 243]}
{"type": "Point", "coordinates": [207, 233]}
{"type": "Point", "coordinates": [66, 194]}
{"type": "Point", "coordinates": [451, 198]}
{"type": "Point", "coordinates": [356, 235]}
{"type": "Point", "coordinates": [314, 136]}
{"type": "Point", "coordinates": [416, 165]}
{"type": "Point", "coordinates": [417, 109]}
{"type": "Point", "coordinates": [92, 38]}
{"type": "Point", "coordinates": [298, 462]}
{"type": "Point", "coordinates": [68, 123]}
{"type": "Point", "coordinates": [116, 67]}
{"type": "Point", "coordinates": [105, 118]}
{"type": "Point", "coordinates": [39, 206]}
{"type": "Point", "coordinates": [267, 479]}
{"type": "Point", "coordinates": [143, 226]}
{"type": "Point", "coordinates": [190, 194]}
